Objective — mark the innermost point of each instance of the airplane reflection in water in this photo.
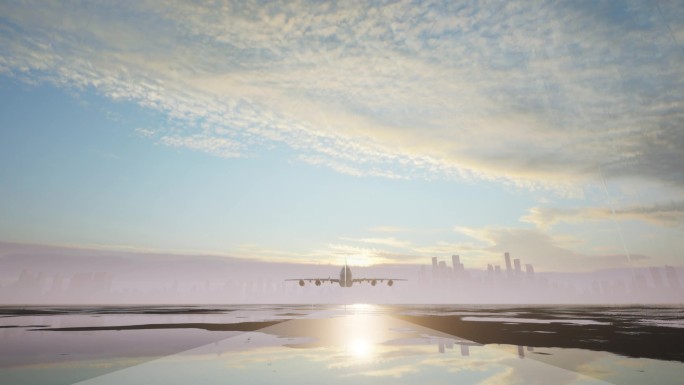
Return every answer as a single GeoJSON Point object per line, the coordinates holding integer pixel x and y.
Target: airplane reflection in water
{"type": "Point", "coordinates": [346, 279]}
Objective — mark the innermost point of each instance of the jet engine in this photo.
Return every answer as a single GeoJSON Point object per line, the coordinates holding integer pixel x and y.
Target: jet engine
{"type": "Point", "coordinates": [301, 282]}
{"type": "Point", "coordinates": [318, 282]}
{"type": "Point", "coordinates": [390, 283]}
{"type": "Point", "coordinates": [373, 282]}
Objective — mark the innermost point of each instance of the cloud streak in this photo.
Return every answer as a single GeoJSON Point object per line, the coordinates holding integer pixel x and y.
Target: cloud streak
{"type": "Point", "coordinates": [668, 214]}
{"type": "Point", "coordinates": [547, 94]}
{"type": "Point", "coordinates": [546, 252]}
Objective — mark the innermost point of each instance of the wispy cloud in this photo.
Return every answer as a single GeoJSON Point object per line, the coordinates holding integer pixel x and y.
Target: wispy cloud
{"type": "Point", "coordinates": [668, 214]}
{"type": "Point", "coordinates": [544, 251]}
{"type": "Point", "coordinates": [359, 255]}
{"type": "Point", "coordinates": [407, 230]}
{"type": "Point", "coordinates": [537, 94]}
{"type": "Point", "coordinates": [221, 147]}
{"type": "Point", "coordinates": [396, 371]}
{"type": "Point", "coordinates": [388, 241]}
{"type": "Point", "coordinates": [389, 229]}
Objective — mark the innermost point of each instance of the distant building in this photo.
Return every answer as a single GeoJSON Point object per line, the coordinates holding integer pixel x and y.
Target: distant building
{"type": "Point", "coordinates": [57, 284]}
{"type": "Point", "coordinates": [102, 282]}
{"type": "Point", "coordinates": [435, 268]}
{"type": "Point", "coordinates": [672, 277]}
{"type": "Point", "coordinates": [639, 283]}
{"type": "Point", "coordinates": [518, 269]}
{"type": "Point", "coordinates": [497, 270]}
{"type": "Point", "coordinates": [490, 269]}
{"type": "Point", "coordinates": [656, 277]}
{"type": "Point", "coordinates": [89, 284]}
{"type": "Point", "coordinates": [29, 283]}
{"type": "Point", "coordinates": [605, 287]}
{"type": "Point", "coordinates": [455, 261]}
{"type": "Point", "coordinates": [529, 270]}
{"type": "Point", "coordinates": [509, 270]}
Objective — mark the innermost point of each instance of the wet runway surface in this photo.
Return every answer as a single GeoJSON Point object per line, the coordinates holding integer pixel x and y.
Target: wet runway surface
{"type": "Point", "coordinates": [364, 344]}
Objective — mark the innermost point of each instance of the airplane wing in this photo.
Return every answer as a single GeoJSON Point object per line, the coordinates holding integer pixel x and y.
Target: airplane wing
{"type": "Point", "coordinates": [320, 281]}
{"type": "Point", "coordinates": [360, 280]}
{"type": "Point", "coordinates": [374, 281]}
{"type": "Point", "coordinates": [310, 280]}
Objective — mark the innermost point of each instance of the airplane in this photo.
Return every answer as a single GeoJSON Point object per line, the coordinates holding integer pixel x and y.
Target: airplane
{"type": "Point", "coordinates": [346, 279]}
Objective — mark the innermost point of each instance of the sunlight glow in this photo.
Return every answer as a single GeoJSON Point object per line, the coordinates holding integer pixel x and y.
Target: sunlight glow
{"type": "Point", "coordinates": [361, 332]}
{"type": "Point", "coordinates": [360, 307]}
{"type": "Point", "coordinates": [360, 348]}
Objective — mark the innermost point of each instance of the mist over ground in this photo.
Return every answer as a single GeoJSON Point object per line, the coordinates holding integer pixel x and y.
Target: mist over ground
{"type": "Point", "coordinates": [33, 274]}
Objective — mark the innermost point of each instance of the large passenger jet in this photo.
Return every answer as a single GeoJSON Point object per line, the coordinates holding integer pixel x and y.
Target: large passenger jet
{"type": "Point", "coordinates": [346, 279]}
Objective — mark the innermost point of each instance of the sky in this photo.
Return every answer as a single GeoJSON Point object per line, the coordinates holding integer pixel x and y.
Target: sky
{"type": "Point", "coordinates": [376, 132]}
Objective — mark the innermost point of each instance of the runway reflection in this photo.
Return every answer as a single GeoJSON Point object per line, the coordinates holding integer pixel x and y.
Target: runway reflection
{"type": "Point", "coordinates": [340, 345]}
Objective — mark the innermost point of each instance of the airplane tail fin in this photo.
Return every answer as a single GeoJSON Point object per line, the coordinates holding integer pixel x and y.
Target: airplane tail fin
{"type": "Point", "coordinates": [345, 270]}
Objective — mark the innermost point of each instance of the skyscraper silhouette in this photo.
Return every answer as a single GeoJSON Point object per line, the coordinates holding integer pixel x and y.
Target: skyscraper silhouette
{"type": "Point", "coordinates": [509, 270]}
{"type": "Point", "coordinates": [435, 270]}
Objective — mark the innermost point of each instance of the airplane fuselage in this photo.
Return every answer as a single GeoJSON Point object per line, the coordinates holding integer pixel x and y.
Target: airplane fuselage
{"type": "Point", "coordinates": [346, 277]}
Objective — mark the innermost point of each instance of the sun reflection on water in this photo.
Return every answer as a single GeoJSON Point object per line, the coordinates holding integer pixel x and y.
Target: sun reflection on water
{"type": "Point", "coordinates": [360, 348]}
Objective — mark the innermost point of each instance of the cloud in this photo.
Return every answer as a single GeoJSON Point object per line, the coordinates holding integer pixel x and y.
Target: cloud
{"type": "Point", "coordinates": [400, 250]}
{"type": "Point", "coordinates": [343, 168]}
{"type": "Point", "coordinates": [389, 241]}
{"type": "Point", "coordinates": [506, 376]}
{"type": "Point", "coordinates": [216, 146]}
{"type": "Point", "coordinates": [535, 94]}
{"type": "Point", "coordinates": [359, 256]}
{"type": "Point", "coordinates": [389, 229]}
{"type": "Point", "coordinates": [544, 251]}
{"type": "Point", "coordinates": [443, 248]}
{"type": "Point", "coordinates": [397, 371]}
{"type": "Point", "coordinates": [671, 214]}
{"type": "Point", "coordinates": [407, 230]}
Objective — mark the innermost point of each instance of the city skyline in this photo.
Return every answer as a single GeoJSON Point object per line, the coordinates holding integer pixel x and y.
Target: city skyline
{"type": "Point", "coordinates": [381, 133]}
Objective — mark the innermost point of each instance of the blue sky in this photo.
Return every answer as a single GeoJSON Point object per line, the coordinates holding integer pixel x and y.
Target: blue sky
{"type": "Point", "coordinates": [383, 132]}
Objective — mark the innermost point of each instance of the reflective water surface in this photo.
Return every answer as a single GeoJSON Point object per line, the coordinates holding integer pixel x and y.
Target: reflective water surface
{"type": "Point", "coordinates": [336, 344]}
